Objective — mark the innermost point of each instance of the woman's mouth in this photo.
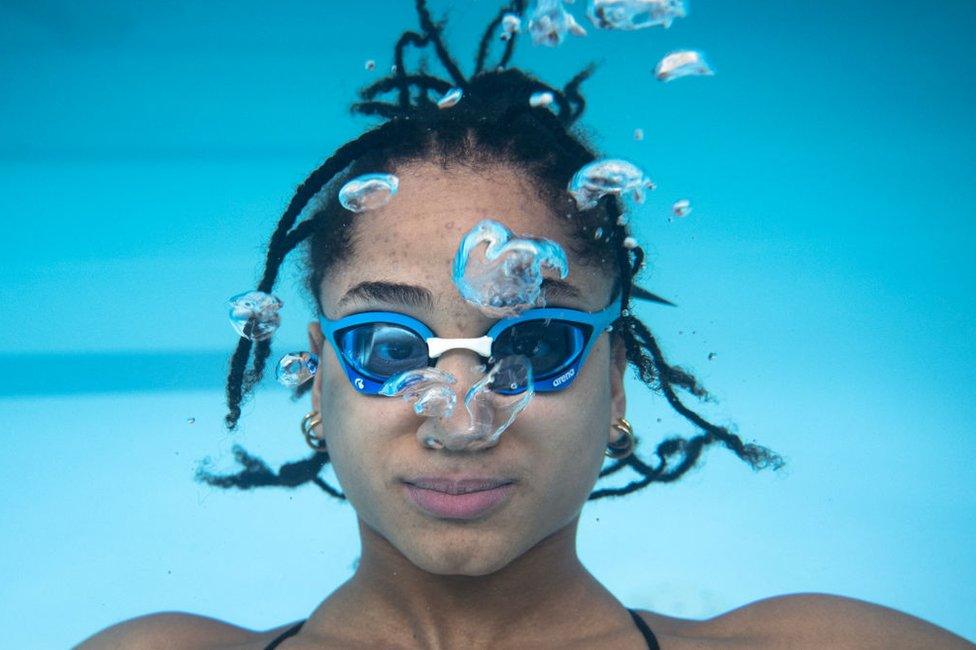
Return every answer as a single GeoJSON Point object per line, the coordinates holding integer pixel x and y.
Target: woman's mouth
{"type": "Point", "coordinates": [465, 499]}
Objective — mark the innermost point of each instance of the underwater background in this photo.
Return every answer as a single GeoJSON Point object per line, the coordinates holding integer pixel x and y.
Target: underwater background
{"type": "Point", "coordinates": [148, 150]}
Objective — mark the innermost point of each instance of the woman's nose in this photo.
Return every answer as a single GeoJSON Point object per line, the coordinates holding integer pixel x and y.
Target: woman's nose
{"type": "Point", "coordinates": [465, 428]}
{"type": "Point", "coordinates": [492, 399]}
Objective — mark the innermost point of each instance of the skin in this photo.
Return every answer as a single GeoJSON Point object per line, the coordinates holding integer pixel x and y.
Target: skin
{"type": "Point", "coordinates": [491, 581]}
{"type": "Point", "coordinates": [511, 579]}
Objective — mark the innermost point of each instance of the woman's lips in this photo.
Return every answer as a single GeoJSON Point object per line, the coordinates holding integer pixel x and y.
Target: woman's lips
{"type": "Point", "coordinates": [458, 502]}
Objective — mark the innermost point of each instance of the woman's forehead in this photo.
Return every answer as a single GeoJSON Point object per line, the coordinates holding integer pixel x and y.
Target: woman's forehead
{"type": "Point", "coordinates": [433, 201]}
{"type": "Point", "coordinates": [417, 234]}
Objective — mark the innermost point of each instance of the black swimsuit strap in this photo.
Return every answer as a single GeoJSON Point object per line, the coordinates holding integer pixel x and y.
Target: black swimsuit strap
{"type": "Point", "coordinates": [638, 621]}
{"type": "Point", "coordinates": [292, 631]}
{"type": "Point", "coordinates": [645, 630]}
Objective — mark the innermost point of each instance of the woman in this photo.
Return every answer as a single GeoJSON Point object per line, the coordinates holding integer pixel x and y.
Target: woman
{"type": "Point", "coordinates": [496, 568]}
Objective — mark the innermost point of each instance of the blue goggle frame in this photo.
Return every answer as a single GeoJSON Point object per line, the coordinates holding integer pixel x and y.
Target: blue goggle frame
{"type": "Point", "coordinates": [598, 322]}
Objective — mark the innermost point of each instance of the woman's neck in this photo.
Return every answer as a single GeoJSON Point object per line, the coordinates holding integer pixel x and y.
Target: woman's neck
{"type": "Point", "coordinates": [545, 589]}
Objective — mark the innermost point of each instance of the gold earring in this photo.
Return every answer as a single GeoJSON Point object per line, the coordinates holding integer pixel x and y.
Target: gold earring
{"type": "Point", "coordinates": [625, 446]}
{"type": "Point", "coordinates": [309, 422]}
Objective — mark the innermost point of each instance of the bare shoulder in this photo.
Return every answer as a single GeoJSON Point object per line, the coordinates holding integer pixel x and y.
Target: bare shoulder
{"type": "Point", "coordinates": [809, 620]}
{"type": "Point", "coordinates": [171, 630]}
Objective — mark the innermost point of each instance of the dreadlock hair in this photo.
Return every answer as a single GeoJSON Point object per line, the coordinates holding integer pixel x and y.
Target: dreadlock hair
{"type": "Point", "coordinates": [493, 122]}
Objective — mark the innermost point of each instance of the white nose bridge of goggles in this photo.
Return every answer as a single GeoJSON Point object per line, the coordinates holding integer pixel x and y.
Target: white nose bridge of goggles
{"type": "Point", "coordinates": [436, 346]}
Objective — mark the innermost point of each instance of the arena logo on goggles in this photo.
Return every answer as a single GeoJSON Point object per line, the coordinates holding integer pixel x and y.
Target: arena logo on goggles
{"type": "Point", "coordinates": [564, 377]}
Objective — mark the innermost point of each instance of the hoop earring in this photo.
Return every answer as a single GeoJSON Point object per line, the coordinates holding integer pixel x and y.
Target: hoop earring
{"type": "Point", "coordinates": [309, 422]}
{"type": "Point", "coordinates": [625, 446]}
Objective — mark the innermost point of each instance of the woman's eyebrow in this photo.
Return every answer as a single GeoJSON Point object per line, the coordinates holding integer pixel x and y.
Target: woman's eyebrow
{"type": "Point", "coordinates": [555, 289]}
{"type": "Point", "coordinates": [390, 292]}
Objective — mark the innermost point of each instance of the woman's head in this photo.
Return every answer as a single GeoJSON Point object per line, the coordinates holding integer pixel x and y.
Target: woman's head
{"type": "Point", "coordinates": [491, 156]}
{"type": "Point", "coordinates": [400, 260]}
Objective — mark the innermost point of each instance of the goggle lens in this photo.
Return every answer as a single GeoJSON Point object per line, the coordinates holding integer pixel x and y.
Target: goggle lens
{"type": "Point", "coordinates": [550, 345]}
{"type": "Point", "coordinates": [381, 350]}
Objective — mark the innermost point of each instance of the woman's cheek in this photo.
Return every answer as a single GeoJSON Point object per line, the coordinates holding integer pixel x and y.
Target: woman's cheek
{"type": "Point", "coordinates": [352, 424]}
{"type": "Point", "coordinates": [582, 414]}
{"type": "Point", "coordinates": [566, 436]}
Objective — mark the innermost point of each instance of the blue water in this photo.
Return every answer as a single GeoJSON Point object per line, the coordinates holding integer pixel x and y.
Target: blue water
{"type": "Point", "coordinates": [146, 153]}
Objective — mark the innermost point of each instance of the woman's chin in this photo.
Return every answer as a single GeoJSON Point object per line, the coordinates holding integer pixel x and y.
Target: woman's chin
{"type": "Point", "coordinates": [449, 559]}
{"type": "Point", "coordinates": [475, 566]}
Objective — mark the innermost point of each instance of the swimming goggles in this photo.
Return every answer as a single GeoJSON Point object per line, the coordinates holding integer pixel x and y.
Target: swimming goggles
{"type": "Point", "coordinates": [374, 346]}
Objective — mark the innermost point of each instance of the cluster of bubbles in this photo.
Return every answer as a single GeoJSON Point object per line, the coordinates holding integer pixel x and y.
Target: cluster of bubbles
{"type": "Point", "coordinates": [370, 65]}
{"type": "Point", "coordinates": [550, 22]}
{"type": "Point", "coordinates": [254, 315]}
{"type": "Point", "coordinates": [496, 271]}
{"type": "Point", "coordinates": [501, 274]}
{"type": "Point", "coordinates": [629, 15]}
{"type": "Point", "coordinates": [491, 404]}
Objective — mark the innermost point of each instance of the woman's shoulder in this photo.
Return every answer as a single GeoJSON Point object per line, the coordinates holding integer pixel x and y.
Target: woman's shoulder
{"type": "Point", "coordinates": [805, 620]}
{"type": "Point", "coordinates": [179, 630]}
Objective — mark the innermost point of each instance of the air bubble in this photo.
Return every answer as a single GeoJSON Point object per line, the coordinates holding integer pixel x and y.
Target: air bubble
{"type": "Point", "coordinates": [254, 314]}
{"type": "Point", "coordinates": [549, 22]}
{"type": "Point", "coordinates": [511, 25]}
{"type": "Point", "coordinates": [295, 368]}
{"type": "Point", "coordinates": [432, 443]}
{"type": "Point", "coordinates": [682, 64]}
{"type": "Point", "coordinates": [607, 176]}
{"type": "Point", "coordinates": [368, 192]}
{"type": "Point", "coordinates": [542, 98]}
{"type": "Point", "coordinates": [492, 404]}
{"type": "Point", "coordinates": [450, 98]}
{"type": "Point", "coordinates": [681, 208]}
{"type": "Point", "coordinates": [502, 274]}
{"type": "Point", "coordinates": [428, 390]}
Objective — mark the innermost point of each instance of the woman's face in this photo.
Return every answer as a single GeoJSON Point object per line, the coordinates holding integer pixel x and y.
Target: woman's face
{"type": "Point", "coordinates": [554, 449]}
